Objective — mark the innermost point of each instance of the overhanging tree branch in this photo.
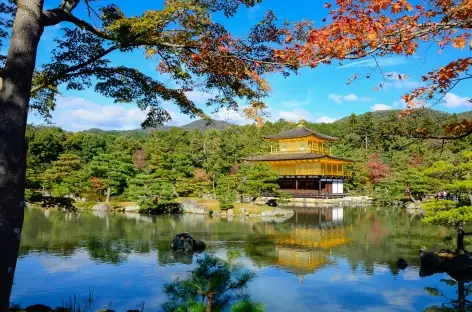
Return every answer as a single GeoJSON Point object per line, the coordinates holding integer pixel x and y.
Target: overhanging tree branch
{"type": "Point", "coordinates": [59, 15]}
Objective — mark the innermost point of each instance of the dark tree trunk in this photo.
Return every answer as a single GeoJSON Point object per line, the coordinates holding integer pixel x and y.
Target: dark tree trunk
{"type": "Point", "coordinates": [461, 301]}
{"type": "Point", "coordinates": [460, 238]}
{"type": "Point", "coordinates": [14, 100]}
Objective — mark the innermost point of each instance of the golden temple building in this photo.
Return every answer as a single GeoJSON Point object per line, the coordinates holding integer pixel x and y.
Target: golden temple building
{"type": "Point", "coordinates": [305, 164]}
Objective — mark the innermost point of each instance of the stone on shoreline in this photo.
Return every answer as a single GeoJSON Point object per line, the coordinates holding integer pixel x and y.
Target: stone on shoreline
{"type": "Point", "coordinates": [277, 213]}
{"type": "Point", "coordinates": [131, 208]}
{"type": "Point", "coordinates": [101, 207]}
{"type": "Point", "coordinates": [192, 206]}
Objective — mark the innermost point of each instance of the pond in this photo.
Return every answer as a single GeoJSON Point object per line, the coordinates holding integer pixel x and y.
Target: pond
{"type": "Point", "coordinates": [325, 259]}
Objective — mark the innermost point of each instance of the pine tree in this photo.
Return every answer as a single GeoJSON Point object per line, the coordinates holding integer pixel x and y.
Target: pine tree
{"type": "Point", "coordinates": [213, 285]}
{"type": "Point", "coordinates": [113, 170]}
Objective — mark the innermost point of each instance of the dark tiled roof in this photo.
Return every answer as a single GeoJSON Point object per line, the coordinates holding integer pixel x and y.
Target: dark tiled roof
{"type": "Point", "coordinates": [295, 156]}
{"type": "Point", "coordinates": [299, 132]}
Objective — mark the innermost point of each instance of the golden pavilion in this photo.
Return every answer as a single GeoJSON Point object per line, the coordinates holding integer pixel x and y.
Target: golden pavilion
{"type": "Point", "coordinates": [305, 164]}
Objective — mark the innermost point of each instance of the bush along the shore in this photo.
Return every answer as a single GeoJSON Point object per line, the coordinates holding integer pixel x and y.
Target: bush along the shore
{"type": "Point", "coordinates": [156, 208]}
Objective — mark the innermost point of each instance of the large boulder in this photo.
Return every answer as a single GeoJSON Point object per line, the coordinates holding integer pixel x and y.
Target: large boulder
{"type": "Point", "coordinates": [185, 242]}
{"type": "Point", "coordinates": [192, 206]}
{"type": "Point", "coordinates": [101, 207]}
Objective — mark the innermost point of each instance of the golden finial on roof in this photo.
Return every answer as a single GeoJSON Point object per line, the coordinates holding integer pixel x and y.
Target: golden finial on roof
{"type": "Point", "coordinates": [301, 123]}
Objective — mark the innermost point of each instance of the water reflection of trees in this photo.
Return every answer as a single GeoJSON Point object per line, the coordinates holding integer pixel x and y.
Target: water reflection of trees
{"type": "Point", "coordinates": [310, 238]}
{"type": "Point", "coordinates": [461, 304]}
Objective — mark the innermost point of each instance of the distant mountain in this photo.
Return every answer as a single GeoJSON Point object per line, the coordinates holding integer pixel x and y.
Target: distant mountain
{"type": "Point", "coordinates": [200, 125]}
{"type": "Point", "coordinates": [204, 125]}
{"type": "Point", "coordinates": [380, 116]}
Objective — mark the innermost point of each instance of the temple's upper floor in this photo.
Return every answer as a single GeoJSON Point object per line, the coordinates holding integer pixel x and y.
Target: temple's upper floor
{"type": "Point", "coordinates": [300, 140]}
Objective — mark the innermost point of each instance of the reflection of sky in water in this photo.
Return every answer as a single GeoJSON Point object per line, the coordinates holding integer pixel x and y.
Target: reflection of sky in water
{"type": "Point", "coordinates": [352, 274]}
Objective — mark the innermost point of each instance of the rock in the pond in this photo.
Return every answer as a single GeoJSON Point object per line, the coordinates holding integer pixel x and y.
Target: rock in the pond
{"type": "Point", "coordinates": [215, 214]}
{"type": "Point", "coordinates": [451, 263]}
{"type": "Point", "coordinates": [192, 206]}
{"type": "Point", "coordinates": [230, 212]}
{"type": "Point", "coordinates": [101, 207]}
{"type": "Point", "coordinates": [402, 264]}
{"type": "Point", "coordinates": [277, 213]}
{"type": "Point", "coordinates": [185, 242]}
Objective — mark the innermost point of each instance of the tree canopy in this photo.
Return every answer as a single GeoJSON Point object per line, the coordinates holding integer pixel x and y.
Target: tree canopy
{"type": "Point", "coordinates": [379, 28]}
{"type": "Point", "coordinates": [182, 39]}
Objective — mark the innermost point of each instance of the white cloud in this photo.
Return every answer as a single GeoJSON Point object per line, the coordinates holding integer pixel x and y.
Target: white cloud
{"type": "Point", "coordinates": [298, 114]}
{"type": "Point", "coordinates": [199, 97]}
{"type": "Point", "coordinates": [295, 115]}
{"type": "Point", "coordinates": [232, 116]}
{"type": "Point", "coordinates": [371, 62]}
{"type": "Point", "coordinates": [73, 113]}
{"type": "Point", "coordinates": [337, 98]}
{"type": "Point", "coordinates": [452, 100]}
{"type": "Point", "coordinates": [325, 119]}
{"type": "Point", "coordinates": [76, 114]}
{"type": "Point", "coordinates": [380, 107]}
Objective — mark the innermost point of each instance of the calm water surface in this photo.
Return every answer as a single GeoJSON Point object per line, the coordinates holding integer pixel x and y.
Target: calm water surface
{"type": "Point", "coordinates": [324, 259]}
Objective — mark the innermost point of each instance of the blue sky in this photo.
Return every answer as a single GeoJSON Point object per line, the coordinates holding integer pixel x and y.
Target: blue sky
{"type": "Point", "coordinates": [319, 95]}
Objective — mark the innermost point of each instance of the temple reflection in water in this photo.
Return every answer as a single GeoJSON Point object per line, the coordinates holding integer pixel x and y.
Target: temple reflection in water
{"type": "Point", "coordinates": [303, 244]}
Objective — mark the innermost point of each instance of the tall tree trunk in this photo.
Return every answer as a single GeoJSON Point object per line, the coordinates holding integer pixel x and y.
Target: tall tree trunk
{"type": "Point", "coordinates": [108, 194]}
{"type": "Point", "coordinates": [209, 303]}
{"type": "Point", "coordinates": [14, 100]}
{"type": "Point", "coordinates": [460, 238]}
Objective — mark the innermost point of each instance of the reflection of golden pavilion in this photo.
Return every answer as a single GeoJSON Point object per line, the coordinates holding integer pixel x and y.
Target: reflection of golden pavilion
{"type": "Point", "coordinates": [299, 261]}
{"type": "Point", "coordinates": [314, 237]}
{"type": "Point", "coordinates": [306, 249]}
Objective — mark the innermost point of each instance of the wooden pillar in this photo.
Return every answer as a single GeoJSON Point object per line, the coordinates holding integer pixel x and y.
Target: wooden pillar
{"type": "Point", "coordinates": [296, 183]}
{"type": "Point", "coordinates": [319, 186]}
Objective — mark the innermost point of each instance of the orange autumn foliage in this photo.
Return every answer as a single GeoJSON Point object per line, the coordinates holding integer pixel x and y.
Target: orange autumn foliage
{"type": "Point", "coordinates": [356, 29]}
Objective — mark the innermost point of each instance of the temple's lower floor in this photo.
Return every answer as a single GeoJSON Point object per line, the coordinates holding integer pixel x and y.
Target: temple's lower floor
{"type": "Point", "coordinates": [314, 186]}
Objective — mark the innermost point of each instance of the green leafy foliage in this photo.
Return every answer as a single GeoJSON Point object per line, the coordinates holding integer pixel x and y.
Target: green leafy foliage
{"type": "Point", "coordinates": [247, 306]}
{"type": "Point", "coordinates": [255, 180]}
{"type": "Point", "coordinates": [148, 187]}
{"type": "Point", "coordinates": [226, 191]}
{"type": "Point", "coordinates": [113, 169]}
{"type": "Point", "coordinates": [211, 163]}
{"type": "Point", "coordinates": [446, 212]}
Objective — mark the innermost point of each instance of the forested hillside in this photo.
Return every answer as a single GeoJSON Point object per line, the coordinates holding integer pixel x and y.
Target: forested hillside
{"type": "Point", "coordinates": [392, 161]}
